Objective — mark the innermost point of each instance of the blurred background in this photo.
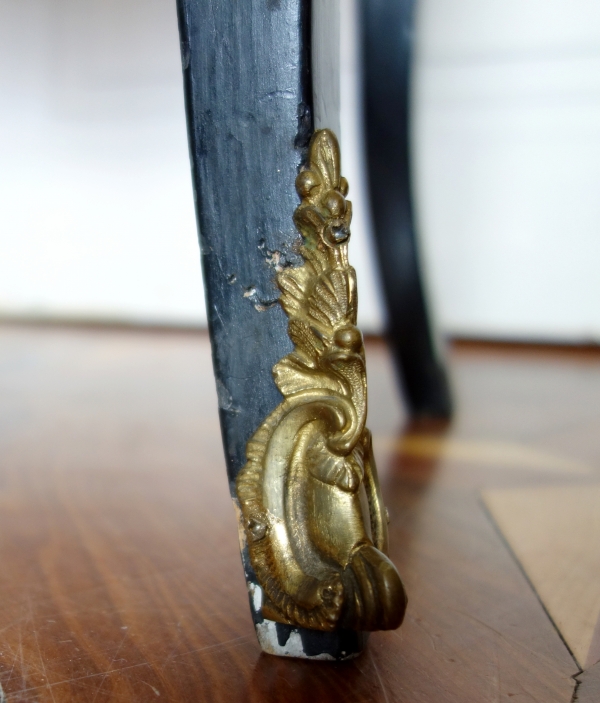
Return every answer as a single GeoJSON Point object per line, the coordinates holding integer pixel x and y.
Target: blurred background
{"type": "Point", "coordinates": [96, 206]}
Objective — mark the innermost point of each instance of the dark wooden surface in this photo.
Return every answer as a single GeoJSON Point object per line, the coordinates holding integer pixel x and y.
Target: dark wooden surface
{"type": "Point", "coordinates": [120, 574]}
{"type": "Point", "coordinates": [588, 690]}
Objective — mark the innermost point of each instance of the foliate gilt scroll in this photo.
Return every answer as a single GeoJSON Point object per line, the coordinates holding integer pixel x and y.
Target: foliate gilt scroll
{"type": "Point", "coordinates": [314, 521]}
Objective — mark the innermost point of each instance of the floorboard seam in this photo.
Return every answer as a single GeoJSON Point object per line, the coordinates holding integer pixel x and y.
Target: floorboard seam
{"type": "Point", "coordinates": [576, 689]}
{"type": "Point", "coordinates": [504, 541]}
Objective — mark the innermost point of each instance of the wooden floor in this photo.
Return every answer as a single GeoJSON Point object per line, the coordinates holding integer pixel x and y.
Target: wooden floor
{"type": "Point", "coordinates": [120, 578]}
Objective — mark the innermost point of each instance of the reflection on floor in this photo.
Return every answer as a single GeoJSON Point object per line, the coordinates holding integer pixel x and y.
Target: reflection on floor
{"type": "Point", "coordinates": [489, 453]}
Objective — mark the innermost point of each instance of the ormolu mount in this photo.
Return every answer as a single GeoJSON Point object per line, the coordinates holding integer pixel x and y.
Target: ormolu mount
{"type": "Point", "coordinates": [257, 77]}
{"type": "Point", "coordinates": [314, 521]}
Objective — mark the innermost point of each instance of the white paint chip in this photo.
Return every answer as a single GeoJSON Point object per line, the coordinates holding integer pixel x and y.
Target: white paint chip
{"type": "Point", "coordinates": [267, 636]}
{"type": "Point", "coordinates": [256, 595]}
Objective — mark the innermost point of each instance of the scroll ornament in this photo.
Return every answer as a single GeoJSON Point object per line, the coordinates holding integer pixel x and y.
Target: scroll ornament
{"type": "Point", "coordinates": [313, 517]}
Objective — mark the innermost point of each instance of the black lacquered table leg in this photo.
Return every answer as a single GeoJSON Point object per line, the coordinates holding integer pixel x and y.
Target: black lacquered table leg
{"type": "Point", "coordinates": [387, 29]}
{"type": "Point", "coordinates": [288, 358]}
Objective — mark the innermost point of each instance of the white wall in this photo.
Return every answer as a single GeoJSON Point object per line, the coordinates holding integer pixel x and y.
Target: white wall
{"type": "Point", "coordinates": [96, 205]}
{"type": "Point", "coordinates": [371, 312]}
{"type": "Point", "coordinates": [96, 211]}
{"type": "Point", "coordinates": [507, 150]}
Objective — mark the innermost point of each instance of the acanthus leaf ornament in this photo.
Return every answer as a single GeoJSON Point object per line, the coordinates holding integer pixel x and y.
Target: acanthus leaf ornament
{"type": "Point", "coordinates": [313, 517]}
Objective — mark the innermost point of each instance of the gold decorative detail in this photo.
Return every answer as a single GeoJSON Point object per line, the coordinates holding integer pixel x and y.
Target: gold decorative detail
{"type": "Point", "coordinates": [314, 521]}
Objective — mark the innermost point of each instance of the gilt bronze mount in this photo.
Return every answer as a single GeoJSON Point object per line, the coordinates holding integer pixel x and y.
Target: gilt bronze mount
{"type": "Point", "coordinates": [314, 522]}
